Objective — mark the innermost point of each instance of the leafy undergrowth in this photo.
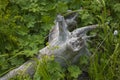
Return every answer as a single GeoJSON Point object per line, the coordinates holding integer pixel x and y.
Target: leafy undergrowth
{"type": "Point", "coordinates": [24, 26]}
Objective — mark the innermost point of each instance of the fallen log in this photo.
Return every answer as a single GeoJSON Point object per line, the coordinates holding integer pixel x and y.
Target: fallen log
{"type": "Point", "coordinates": [71, 45]}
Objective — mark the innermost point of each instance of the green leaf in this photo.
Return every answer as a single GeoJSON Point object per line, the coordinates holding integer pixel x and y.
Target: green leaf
{"type": "Point", "coordinates": [83, 60]}
{"type": "Point", "coordinates": [3, 4]}
{"type": "Point", "coordinates": [74, 71]}
{"type": "Point", "coordinates": [16, 61]}
{"type": "Point", "coordinates": [61, 7]}
{"type": "Point", "coordinates": [46, 19]}
{"type": "Point", "coordinates": [117, 7]}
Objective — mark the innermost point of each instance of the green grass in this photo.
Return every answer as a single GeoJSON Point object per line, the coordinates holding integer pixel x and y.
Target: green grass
{"type": "Point", "coordinates": [104, 64]}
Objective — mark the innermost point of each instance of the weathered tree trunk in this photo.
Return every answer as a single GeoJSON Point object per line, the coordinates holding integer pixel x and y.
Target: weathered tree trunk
{"type": "Point", "coordinates": [71, 45]}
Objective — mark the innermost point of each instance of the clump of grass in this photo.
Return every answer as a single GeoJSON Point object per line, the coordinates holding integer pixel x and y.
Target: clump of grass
{"type": "Point", "coordinates": [104, 63]}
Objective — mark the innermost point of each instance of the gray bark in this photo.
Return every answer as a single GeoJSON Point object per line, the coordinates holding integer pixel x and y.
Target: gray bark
{"type": "Point", "coordinates": [71, 45]}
